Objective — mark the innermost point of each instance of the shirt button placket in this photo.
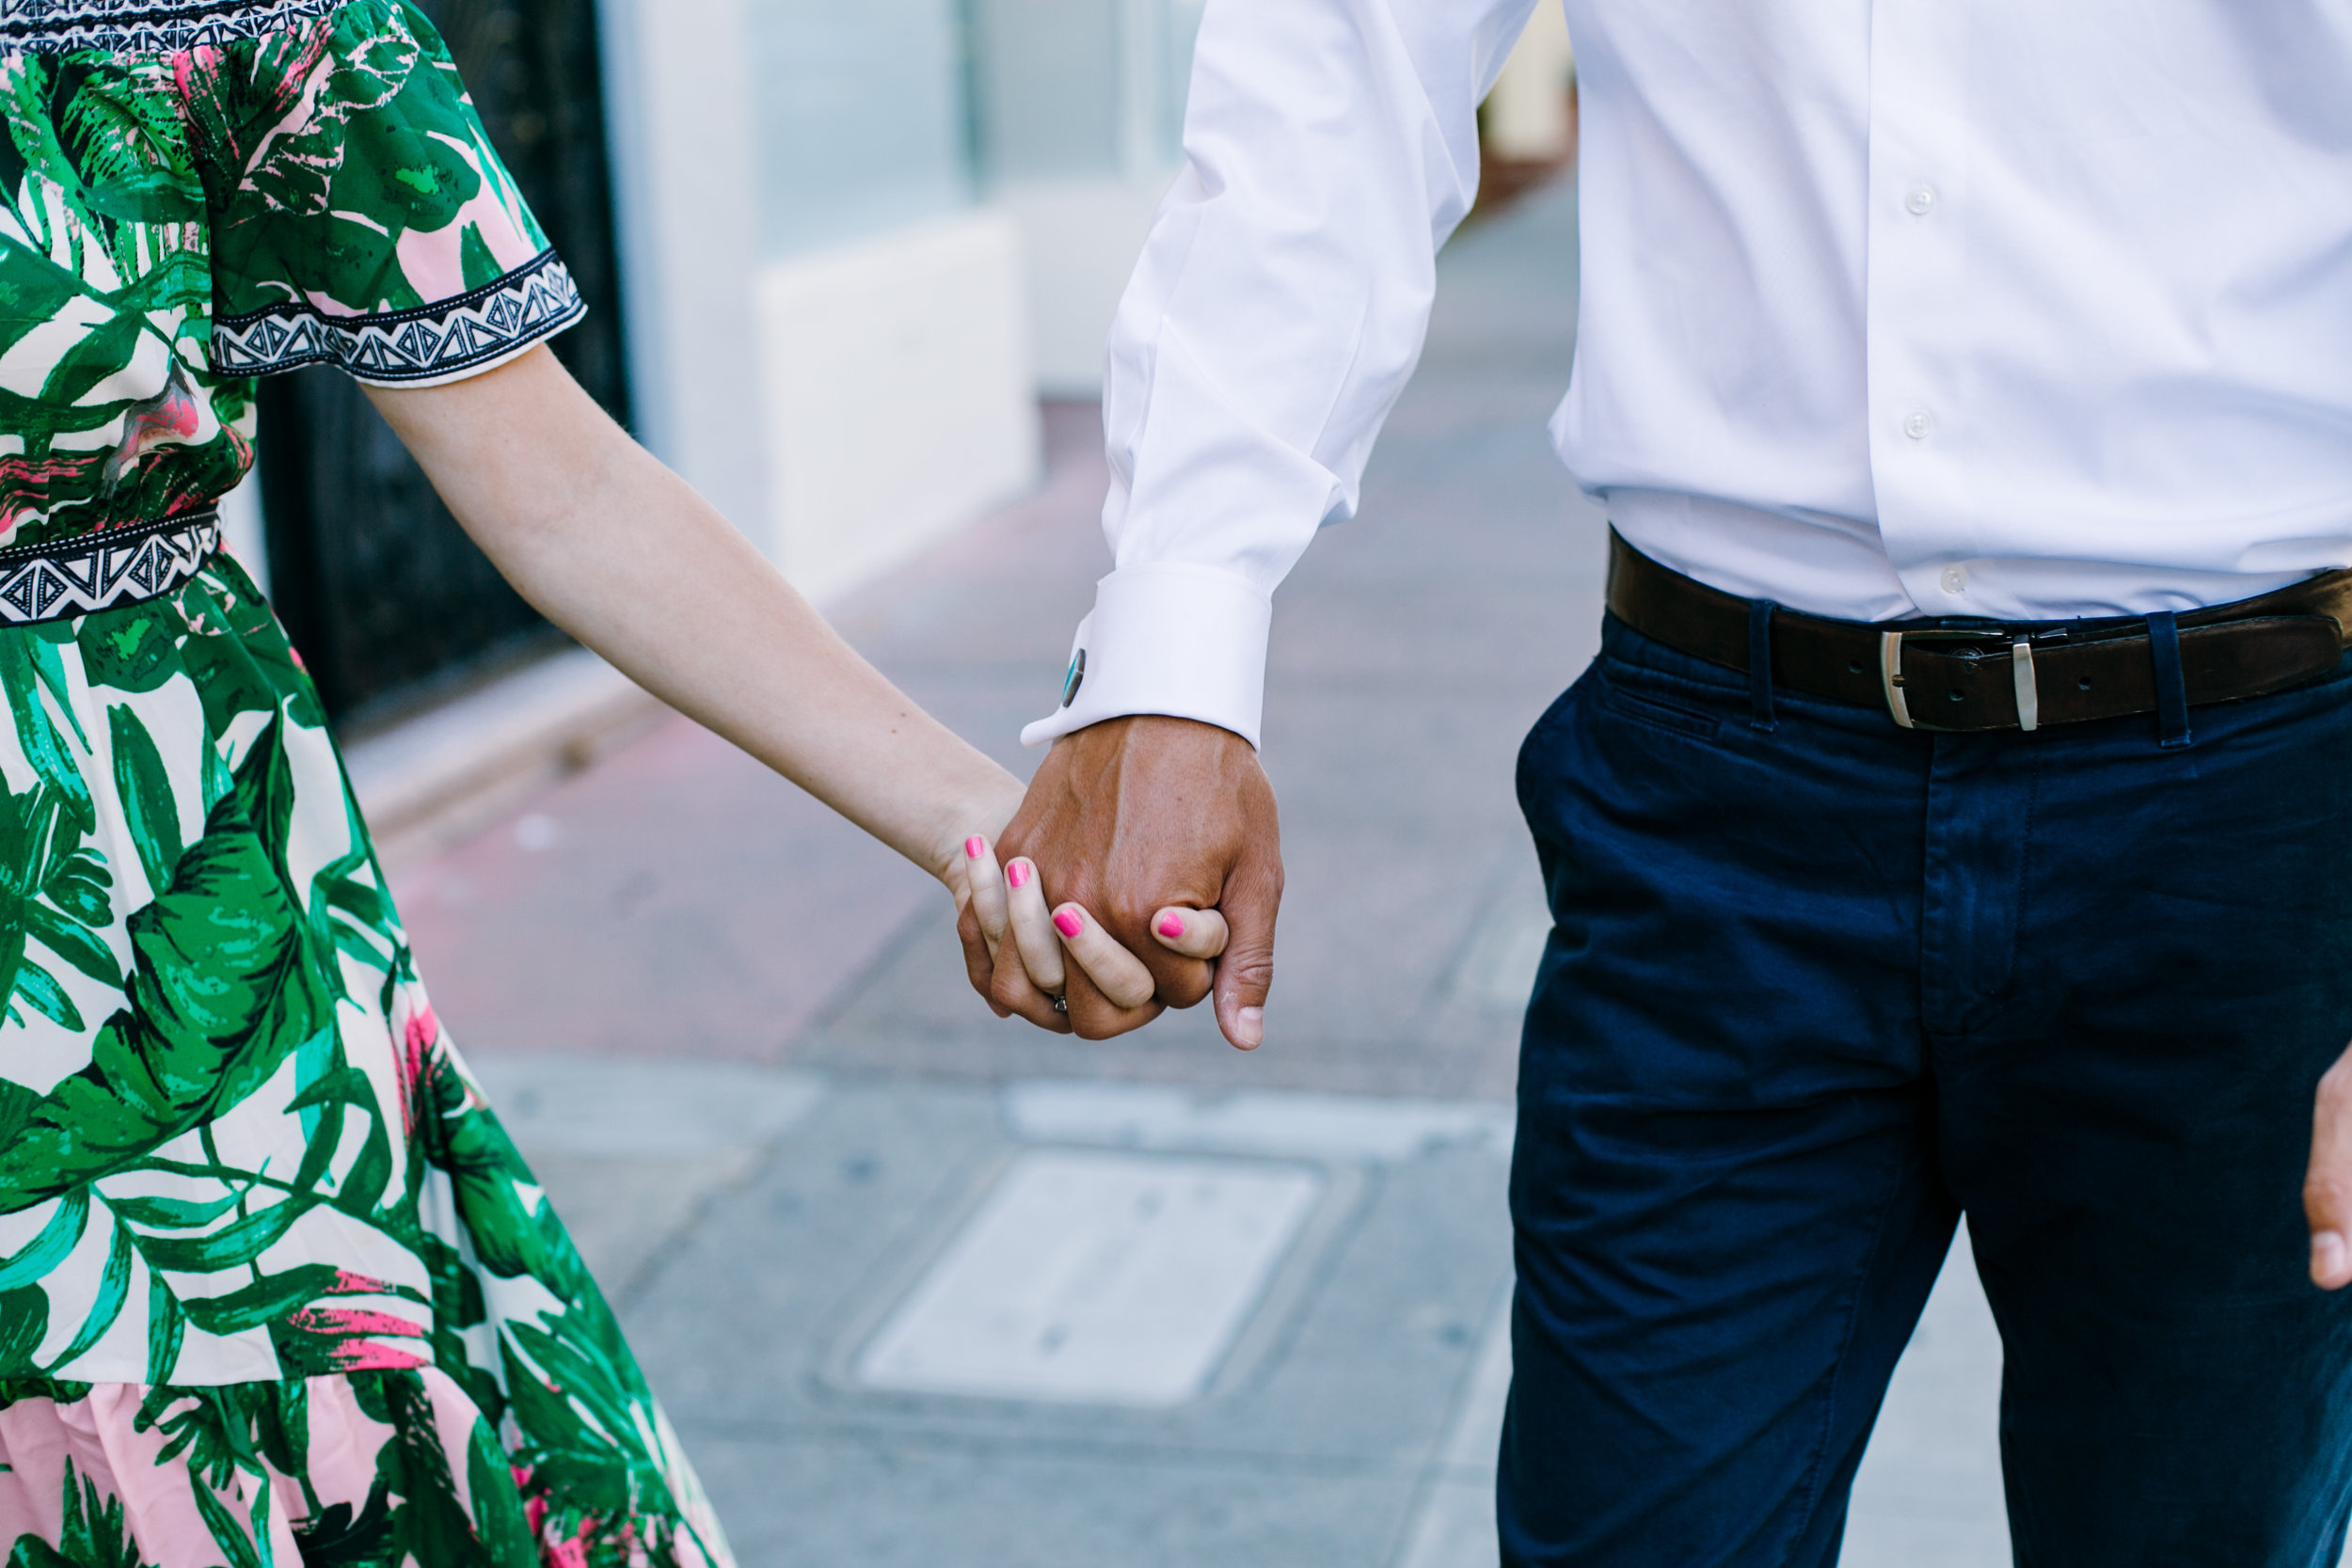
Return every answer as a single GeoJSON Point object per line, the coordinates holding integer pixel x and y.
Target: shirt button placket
{"type": "Point", "coordinates": [1914, 305]}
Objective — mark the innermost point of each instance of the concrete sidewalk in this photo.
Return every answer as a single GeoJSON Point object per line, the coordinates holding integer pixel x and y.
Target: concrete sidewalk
{"type": "Point", "coordinates": [919, 1286]}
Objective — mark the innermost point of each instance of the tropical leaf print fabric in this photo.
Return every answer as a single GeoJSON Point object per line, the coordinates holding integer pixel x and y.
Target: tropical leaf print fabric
{"type": "Point", "coordinates": [274, 1287]}
{"type": "Point", "coordinates": [361, 217]}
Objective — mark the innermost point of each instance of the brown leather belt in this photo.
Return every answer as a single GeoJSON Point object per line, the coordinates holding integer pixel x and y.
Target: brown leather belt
{"type": "Point", "coordinates": [1976, 675]}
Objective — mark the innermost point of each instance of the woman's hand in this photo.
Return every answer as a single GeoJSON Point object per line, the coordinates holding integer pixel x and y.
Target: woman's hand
{"type": "Point", "coordinates": [1009, 903]}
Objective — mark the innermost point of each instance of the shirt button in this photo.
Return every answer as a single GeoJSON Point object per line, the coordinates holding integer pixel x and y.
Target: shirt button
{"type": "Point", "coordinates": [1918, 423]}
{"type": "Point", "coordinates": [1921, 200]}
{"type": "Point", "coordinates": [1955, 579]}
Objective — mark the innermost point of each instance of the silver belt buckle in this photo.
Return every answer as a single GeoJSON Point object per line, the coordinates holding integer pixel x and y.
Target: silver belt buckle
{"type": "Point", "coordinates": [2020, 662]}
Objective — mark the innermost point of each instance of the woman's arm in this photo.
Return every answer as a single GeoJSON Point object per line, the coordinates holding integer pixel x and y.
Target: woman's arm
{"type": "Point", "coordinates": [623, 554]}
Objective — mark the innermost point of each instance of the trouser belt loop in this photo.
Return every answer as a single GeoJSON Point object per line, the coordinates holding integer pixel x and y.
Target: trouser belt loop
{"type": "Point", "coordinates": [2164, 645]}
{"type": "Point", "coordinates": [1761, 716]}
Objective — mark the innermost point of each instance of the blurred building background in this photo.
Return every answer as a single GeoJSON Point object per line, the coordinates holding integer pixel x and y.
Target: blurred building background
{"type": "Point", "coordinates": [837, 254]}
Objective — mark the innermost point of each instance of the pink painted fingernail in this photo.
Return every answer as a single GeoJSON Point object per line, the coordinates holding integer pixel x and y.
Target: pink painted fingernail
{"type": "Point", "coordinates": [1068, 923]}
{"type": "Point", "coordinates": [1172, 926]}
{"type": "Point", "coordinates": [1018, 873]}
{"type": "Point", "coordinates": [973, 846]}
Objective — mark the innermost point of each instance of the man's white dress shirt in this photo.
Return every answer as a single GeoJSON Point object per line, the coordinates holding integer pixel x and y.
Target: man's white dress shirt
{"type": "Point", "coordinates": [2023, 308]}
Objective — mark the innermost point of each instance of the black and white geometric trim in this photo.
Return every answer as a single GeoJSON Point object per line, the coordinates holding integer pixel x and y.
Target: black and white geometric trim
{"type": "Point", "coordinates": [106, 570]}
{"type": "Point", "coordinates": [429, 342]}
{"type": "Point", "coordinates": [144, 26]}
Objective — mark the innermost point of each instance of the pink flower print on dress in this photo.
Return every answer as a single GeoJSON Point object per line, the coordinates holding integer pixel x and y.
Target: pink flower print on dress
{"type": "Point", "coordinates": [420, 1031]}
{"type": "Point", "coordinates": [170, 416]}
{"type": "Point", "coordinates": [433, 260]}
{"type": "Point", "coordinates": [364, 1341]}
{"type": "Point", "coordinates": [27, 485]}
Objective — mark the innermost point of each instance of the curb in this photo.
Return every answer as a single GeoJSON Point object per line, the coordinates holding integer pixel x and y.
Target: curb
{"type": "Point", "coordinates": [429, 782]}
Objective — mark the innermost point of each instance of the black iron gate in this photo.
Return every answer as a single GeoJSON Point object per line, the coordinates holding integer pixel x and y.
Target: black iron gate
{"type": "Point", "coordinates": [376, 583]}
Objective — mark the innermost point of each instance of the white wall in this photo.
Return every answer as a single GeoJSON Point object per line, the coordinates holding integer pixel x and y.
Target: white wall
{"type": "Point", "coordinates": [860, 121]}
{"type": "Point", "coordinates": [1081, 238]}
{"type": "Point", "coordinates": [678, 102]}
{"type": "Point", "coordinates": [844, 405]}
{"type": "Point", "coordinates": [896, 401]}
{"type": "Point", "coordinates": [1080, 115]}
{"type": "Point", "coordinates": [1527, 115]}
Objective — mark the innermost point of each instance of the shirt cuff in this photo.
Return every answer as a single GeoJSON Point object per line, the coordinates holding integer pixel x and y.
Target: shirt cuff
{"type": "Point", "coordinates": [1187, 642]}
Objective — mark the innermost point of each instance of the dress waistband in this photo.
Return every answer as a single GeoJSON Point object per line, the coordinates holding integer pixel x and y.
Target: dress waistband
{"type": "Point", "coordinates": [103, 570]}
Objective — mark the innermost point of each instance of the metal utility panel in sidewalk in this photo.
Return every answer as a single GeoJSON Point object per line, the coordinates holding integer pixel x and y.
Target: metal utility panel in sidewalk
{"type": "Point", "coordinates": [375, 581]}
{"type": "Point", "coordinates": [1095, 1277]}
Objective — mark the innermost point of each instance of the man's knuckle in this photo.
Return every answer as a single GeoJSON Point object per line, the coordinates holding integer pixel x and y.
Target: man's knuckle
{"type": "Point", "coordinates": [1190, 995]}
{"type": "Point", "coordinates": [1167, 967]}
{"type": "Point", "coordinates": [1126, 910]}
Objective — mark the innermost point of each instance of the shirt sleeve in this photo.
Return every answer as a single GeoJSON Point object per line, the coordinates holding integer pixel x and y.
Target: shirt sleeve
{"type": "Point", "coordinates": [358, 214]}
{"type": "Point", "coordinates": [1330, 146]}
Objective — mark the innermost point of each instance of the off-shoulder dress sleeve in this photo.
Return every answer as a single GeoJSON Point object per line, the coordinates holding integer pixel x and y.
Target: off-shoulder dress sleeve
{"type": "Point", "coordinates": [359, 216]}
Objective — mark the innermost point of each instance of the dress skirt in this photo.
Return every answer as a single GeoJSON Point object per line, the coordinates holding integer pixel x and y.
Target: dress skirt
{"type": "Point", "coordinates": [275, 1285]}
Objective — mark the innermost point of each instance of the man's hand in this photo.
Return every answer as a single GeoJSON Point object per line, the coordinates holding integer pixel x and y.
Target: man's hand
{"type": "Point", "coordinates": [1127, 818]}
{"type": "Point", "coordinates": [2327, 1183]}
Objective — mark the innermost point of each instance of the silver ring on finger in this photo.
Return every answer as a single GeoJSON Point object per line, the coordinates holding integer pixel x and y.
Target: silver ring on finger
{"type": "Point", "coordinates": [1061, 1001]}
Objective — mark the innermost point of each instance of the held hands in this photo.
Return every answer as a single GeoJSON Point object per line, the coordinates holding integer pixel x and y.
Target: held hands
{"type": "Point", "coordinates": [563, 501]}
{"type": "Point", "coordinates": [1027, 944]}
{"type": "Point", "coordinates": [1167, 830]}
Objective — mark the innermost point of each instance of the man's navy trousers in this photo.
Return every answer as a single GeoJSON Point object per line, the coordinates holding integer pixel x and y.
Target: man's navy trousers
{"type": "Point", "coordinates": [1817, 989]}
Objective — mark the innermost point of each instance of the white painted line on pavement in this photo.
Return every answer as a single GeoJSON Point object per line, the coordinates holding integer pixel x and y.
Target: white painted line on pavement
{"type": "Point", "coordinates": [1478, 1429]}
{"type": "Point", "coordinates": [1928, 1494]}
{"type": "Point", "coordinates": [1456, 1525]}
{"type": "Point", "coordinates": [1095, 1278]}
{"type": "Point", "coordinates": [1497, 971]}
{"type": "Point", "coordinates": [1271, 1123]}
{"type": "Point", "coordinates": [583, 1105]}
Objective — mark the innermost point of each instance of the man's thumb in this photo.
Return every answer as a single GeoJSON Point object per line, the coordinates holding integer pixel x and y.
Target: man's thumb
{"type": "Point", "coordinates": [1244, 975]}
{"type": "Point", "coordinates": [2327, 1183]}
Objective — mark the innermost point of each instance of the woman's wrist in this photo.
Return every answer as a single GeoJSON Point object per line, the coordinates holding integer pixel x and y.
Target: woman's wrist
{"type": "Point", "coordinates": [983, 806]}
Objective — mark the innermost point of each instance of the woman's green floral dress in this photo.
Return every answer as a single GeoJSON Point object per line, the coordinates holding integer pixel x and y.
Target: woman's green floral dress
{"type": "Point", "coordinates": [273, 1285]}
